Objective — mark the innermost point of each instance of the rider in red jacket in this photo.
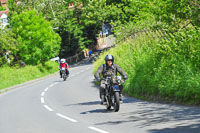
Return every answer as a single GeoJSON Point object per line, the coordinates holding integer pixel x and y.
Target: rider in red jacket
{"type": "Point", "coordinates": [65, 65]}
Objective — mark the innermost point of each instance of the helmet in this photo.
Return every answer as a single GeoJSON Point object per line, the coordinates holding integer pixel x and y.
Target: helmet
{"type": "Point", "coordinates": [62, 60]}
{"type": "Point", "coordinates": [109, 57]}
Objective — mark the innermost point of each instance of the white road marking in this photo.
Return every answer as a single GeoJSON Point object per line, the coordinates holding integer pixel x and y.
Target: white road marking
{"type": "Point", "coordinates": [65, 117]}
{"type": "Point", "coordinates": [82, 71]}
{"type": "Point", "coordinates": [48, 108]}
{"type": "Point", "coordinates": [51, 85]}
{"type": "Point", "coordinates": [46, 89]}
{"type": "Point", "coordinates": [88, 68]}
{"type": "Point", "coordinates": [43, 93]}
{"type": "Point", "coordinates": [98, 130]}
{"type": "Point", "coordinates": [42, 99]}
{"type": "Point", "coordinates": [78, 73]}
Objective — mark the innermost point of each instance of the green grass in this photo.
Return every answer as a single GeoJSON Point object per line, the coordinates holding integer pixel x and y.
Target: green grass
{"type": "Point", "coordinates": [10, 76]}
{"type": "Point", "coordinates": [158, 69]}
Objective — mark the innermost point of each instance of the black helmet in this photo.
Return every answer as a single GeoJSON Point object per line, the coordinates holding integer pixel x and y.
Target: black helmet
{"type": "Point", "coordinates": [109, 57]}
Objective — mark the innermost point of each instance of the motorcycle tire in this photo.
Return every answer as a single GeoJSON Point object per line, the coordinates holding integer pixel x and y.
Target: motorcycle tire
{"type": "Point", "coordinates": [116, 104]}
{"type": "Point", "coordinates": [64, 77]}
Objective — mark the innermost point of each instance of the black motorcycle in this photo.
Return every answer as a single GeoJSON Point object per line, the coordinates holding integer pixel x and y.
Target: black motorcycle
{"type": "Point", "coordinates": [112, 93]}
{"type": "Point", "coordinates": [64, 75]}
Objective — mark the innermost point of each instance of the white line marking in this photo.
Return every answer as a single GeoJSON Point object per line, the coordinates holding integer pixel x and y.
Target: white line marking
{"type": "Point", "coordinates": [46, 89]}
{"type": "Point", "coordinates": [48, 108]}
{"type": "Point", "coordinates": [51, 85]}
{"type": "Point", "coordinates": [55, 83]}
{"type": "Point", "coordinates": [78, 73]}
{"type": "Point", "coordinates": [98, 130]}
{"type": "Point", "coordinates": [65, 117]}
{"type": "Point", "coordinates": [42, 93]}
{"type": "Point", "coordinates": [75, 74]}
{"type": "Point", "coordinates": [82, 71]}
{"type": "Point", "coordinates": [42, 99]}
{"type": "Point", "coordinates": [88, 68]}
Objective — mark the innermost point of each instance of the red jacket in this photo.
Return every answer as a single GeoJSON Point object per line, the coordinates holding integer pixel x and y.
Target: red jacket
{"type": "Point", "coordinates": [64, 65]}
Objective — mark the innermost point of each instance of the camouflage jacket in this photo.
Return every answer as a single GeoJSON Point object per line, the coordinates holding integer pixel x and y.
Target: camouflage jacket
{"type": "Point", "coordinates": [108, 71]}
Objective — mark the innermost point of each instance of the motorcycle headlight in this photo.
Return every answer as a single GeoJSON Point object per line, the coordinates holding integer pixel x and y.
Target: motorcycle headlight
{"type": "Point", "coordinates": [116, 88]}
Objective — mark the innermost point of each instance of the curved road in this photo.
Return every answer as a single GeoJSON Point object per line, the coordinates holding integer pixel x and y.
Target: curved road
{"type": "Point", "coordinates": [54, 106]}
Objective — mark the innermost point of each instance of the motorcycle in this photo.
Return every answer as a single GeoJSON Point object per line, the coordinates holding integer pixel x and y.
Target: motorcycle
{"type": "Point", "coordinates": [112, 92]}
{"type": "Point", "coordinates": [64, 75]}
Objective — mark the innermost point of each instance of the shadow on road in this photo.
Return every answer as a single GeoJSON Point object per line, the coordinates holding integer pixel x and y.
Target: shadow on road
{"type": "Point", "coordinates": [194, 128]}
{"type": "Point", "coordinates": [97, 111]}
{"type": "Point", "coordinates": [84, 103]}
{"type": "Point", "coordinates": [92, 103]}
{"type": "Point", "coordinates": [58, 81]}
{"type": "Point", "coordinates": [161, 118]}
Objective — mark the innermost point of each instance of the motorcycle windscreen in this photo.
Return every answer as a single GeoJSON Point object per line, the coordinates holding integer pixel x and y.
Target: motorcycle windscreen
{"type": "Point", "coordinates": [116, 88]}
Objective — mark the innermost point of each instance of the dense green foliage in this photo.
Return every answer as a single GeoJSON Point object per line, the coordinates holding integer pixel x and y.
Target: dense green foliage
{"type": "Point", "coordinates": [80, 25]}
{"type": "Point", "coordinates": [7, 44]}
{"type": "Point", "coordinates": [67, 22]}
{"type": "Point", "coordinates": [37, 40]}
{"type": "Point", "coordinates": [13, 75]}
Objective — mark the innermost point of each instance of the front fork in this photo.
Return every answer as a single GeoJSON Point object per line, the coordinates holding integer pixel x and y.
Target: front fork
{"type": "Point", "coordinates": [107, 96]}
{"type": "Point", "coordinates": [110, 98]}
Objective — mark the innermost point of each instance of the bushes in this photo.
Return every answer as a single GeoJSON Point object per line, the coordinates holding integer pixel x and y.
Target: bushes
{"type": "Point", "coordinates": [37, 40]}
{"type": "Point", "coordinates": [8, 44]}
{"type": "Point", "coordinates": [179, 67]}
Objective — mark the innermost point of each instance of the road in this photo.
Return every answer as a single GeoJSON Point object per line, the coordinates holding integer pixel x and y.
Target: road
{"type": "Point", "coordinates": [52, 105]}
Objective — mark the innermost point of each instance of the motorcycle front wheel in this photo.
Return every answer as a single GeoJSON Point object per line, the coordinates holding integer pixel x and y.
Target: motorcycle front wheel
{"type": "Point", "coordinates": [116, 103]}
{"type": "Point", "coordinates": [64, 77]}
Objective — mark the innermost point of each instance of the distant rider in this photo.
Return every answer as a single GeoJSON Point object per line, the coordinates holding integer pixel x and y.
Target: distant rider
{"type": "Point", "coordinates": [108, 69]}
{"type": "Point", "coordinates": [89, 53]}
{"type": "Point", "coordinates": [63, 64]}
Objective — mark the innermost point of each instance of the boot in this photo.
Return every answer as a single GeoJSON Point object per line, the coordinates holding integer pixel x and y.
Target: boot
{"type": "Point", "coordinates": [103, 100]}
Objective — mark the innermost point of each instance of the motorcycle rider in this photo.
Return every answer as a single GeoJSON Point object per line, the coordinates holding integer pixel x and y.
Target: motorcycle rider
{"type": "Point", "coordinates": [63, 64]}
{"type": "Point", "coordinates": [108, 69]}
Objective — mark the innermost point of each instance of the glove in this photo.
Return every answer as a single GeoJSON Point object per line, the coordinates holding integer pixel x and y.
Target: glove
{"type": "Point", "coordinates": [98, 79]}
{"type": "Point", "coordinates": [125, 77]}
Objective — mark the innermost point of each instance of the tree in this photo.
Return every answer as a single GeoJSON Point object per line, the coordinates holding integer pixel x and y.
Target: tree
{"type": "Point", "coordinates": [8, 45]}
{"type": "Point", "coordinates": [37, 40]}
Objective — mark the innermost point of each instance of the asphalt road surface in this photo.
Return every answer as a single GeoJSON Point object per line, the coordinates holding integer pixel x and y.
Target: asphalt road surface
{"type": "Point", "coordinates": [52, 105]}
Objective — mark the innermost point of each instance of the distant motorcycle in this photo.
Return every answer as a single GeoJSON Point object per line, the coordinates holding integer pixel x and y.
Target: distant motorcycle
{"type": "Point", "coordinates": [113, 92]}
{"type": "Point", "coordinates": [64, 75]}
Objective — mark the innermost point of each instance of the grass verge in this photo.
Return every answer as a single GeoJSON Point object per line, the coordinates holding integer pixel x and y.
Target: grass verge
{"type": "Point", "coordinates": [10, 76]}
